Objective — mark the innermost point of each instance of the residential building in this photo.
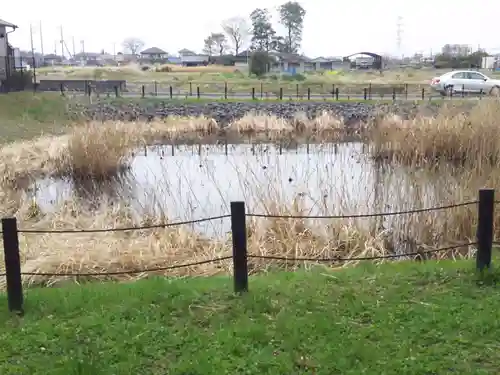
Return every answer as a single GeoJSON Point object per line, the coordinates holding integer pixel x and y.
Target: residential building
{"type": "Point", "coordinates": [6, 51]}
{"type": "Point", "coordinates": [154, 54]}
{"type": "Point", "coordinates": [195, 60]}
{"type": "Point", "coordinates": [328, 63]}
{"type": "Point", "coordinates": [186, 52]}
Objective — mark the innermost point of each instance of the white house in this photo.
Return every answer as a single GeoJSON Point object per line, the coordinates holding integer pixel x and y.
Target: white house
{"type": "Point", "coordinates": [6, 52]}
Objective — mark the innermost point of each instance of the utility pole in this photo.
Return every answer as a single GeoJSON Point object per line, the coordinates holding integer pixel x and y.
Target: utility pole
{"type": "Point", "coordinates": [62, 43]}
{"type": "Point", "coordinates": [41, 38]}
{"type": "Point", "coordinates": [33, 55]}
{"type": "Point", "coordinates": [399, 35]}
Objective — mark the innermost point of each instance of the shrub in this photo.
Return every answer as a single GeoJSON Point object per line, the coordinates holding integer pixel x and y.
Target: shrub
{"type": "Point", "coordinates": [259, 63]}
{"type": "Point", "coordinates": [163, 69]}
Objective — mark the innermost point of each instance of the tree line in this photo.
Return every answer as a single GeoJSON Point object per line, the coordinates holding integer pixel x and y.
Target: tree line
{"type": "Point", "coordinates": [259, 34]}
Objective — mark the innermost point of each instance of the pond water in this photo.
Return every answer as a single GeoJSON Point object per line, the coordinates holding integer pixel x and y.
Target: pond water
{"type": "Point", "coordinates": [188, 184]}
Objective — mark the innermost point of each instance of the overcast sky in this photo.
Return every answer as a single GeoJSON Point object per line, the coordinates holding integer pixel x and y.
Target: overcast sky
{"type": "Point", "coordinates": [331, 28]}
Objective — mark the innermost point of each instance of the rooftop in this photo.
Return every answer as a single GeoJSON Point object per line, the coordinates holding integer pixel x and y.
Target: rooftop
{"type": "Point", "coordinates": [153, 51]}
{"type": "Point", "coordinates": [7, 24]}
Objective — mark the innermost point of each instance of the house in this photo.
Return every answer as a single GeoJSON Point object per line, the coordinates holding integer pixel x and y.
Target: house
{"type": "Point", "coordinates": [125, 58]}
{"type": "Point", "coordinates": [154, 54]}
{"type": "Point", "coordinates": [291, 63]}
{"type": "Point", "coordinates": [195, 60]}
{"type": "Point", "coordinates": [186, 52]}
{"type": "Point", "coordinates": [328, 63]}
{"type": "Point", "coordinates": [52, 59]}
{"type": "Point", "coordinates": [7, 65]}
{"type": "Point", "coordinates": [94, 59]}
{"type": "Point", "coordinates": [174, 60]}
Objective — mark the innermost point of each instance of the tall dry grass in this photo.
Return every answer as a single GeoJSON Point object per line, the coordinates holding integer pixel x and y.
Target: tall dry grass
{"type": "Point", "coordinates": [322, 238]}
{"type": "Point", "coordinates": [451, 136]}
{"type": "Point", "coordinates": [100, 150]}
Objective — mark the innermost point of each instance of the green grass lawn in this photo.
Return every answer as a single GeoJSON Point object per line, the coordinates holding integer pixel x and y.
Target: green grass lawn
{"type": "Point", "coordinates": [400, 318]}
{"type": "Point", "coordinates": [25, 115]}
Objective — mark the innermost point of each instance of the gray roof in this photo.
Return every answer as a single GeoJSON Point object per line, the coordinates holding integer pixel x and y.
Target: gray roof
{"type": "Point", "coordinates": [8, 24]}
{"type": "Point", "coordinates": [153, 51]}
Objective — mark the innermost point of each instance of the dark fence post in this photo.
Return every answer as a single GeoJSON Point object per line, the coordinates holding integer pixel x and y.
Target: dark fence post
{"type": "Point", "coordinates": [156, 88]}
{"type": "Point", "coordinates": [393, 93]}
{"type": "Point", "coordinates": [406, 91]}
{"type": "Point", "coordinates": [239, 234]}
{"type": "Point", "coordinates": [333, 91]}
{"type": "Point", "coordinates": [365, 93]}
{"type": "Point", "coordinates": [12, 264]}
{"type": "Point", "coordinates": [253, 93]}
{"type": "Point", "coordinates": [281, 93]}
{"type": "Point", "coordinates": [337, 93]}
{"type": "Point", "coordinates": [190, 89]}
{"type": "Point", "coordinates": [171, 92]}
{"type": "Point", "coordinates": [484, 233]}
{"type": "Point", "coordinates": [297, 91]}
{"type": "Point", "coordinates": [117, 92]}
{"type": "Point", "coordinates": [423, 93]}
{"type": "Point", "coordinates": [463, 91]}
{"type": "Point", "coordinates": [370, 91]}
{"type": "Point", "coordinates": [62, 89]}
{"type": "Point", "coordinates": [308, 93]}
{"type": "Point", "coordinates": [198, 92]}
{"type": "Point", "coordinates": [143, 91]}
{"type": "Point", "coordinates": [225, 90]}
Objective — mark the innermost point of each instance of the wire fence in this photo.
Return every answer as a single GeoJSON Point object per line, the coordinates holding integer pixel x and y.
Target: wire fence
{"type": "Point", "coordinates": [260, 91]}
{"type": "Point", "coordinates": [13, 273]}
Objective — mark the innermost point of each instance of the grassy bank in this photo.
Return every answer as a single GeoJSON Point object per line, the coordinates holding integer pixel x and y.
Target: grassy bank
{"type": "Point", "coordinates": [24, 115]}
{"type": "Point", "coordinates": [411, 318]}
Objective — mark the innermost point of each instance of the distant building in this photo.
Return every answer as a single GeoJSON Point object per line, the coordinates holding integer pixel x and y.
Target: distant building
{"type": "Point", "coordinates": [195, 60]}
{"type": "Point", "coordinates": [154, 53]}
{"type": "Point", "coordinates": [456, 50]}
{"type": "Point", "coordinates": [186, 52]}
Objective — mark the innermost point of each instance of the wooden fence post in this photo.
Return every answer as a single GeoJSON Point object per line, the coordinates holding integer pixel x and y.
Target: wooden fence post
{"type": "Point", "coordinates": [486, 208]}
{"type": "Point", "coordinates": [12, 264]}
{"type": "Point", "coordinates": [239, 234]}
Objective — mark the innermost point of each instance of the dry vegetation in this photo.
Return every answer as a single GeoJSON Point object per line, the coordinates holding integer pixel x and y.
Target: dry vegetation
{"type": "Point", "coordinates": [452, 136]}
{"type": "Point", "coordinates": [97, 151]}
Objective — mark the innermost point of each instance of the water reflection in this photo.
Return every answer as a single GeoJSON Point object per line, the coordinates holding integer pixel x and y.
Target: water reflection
{"type": "Point", "coordinates": [188, 182]}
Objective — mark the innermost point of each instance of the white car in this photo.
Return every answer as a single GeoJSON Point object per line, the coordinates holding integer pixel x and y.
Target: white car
{"type": "Point", "coordinates": [467, 81]}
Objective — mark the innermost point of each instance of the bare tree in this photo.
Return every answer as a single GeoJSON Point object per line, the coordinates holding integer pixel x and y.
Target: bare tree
{"type": "Point", "coordinates": [132, 45]}
{"type": "Point", "coordinates": [238, 31]}
{"type": "Point", "coordinates": [209, 45]}
{"type": "Point", "coordinates": [220, 42]}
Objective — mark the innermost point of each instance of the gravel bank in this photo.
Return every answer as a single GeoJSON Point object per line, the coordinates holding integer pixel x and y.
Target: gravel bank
{"type": "Point", "coordinates": [225, 112]}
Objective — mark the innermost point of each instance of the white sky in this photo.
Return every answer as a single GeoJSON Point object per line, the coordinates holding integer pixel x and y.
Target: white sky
{"type": "Point", "coordinates": [331, 28]}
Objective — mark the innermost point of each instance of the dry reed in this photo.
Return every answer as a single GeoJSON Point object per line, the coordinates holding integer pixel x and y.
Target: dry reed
{"type": "Point", "coordinates": [450, 136]}
{"type": "Point", "coordinates": [100, 150]}
{"type": "Point", "coordinates": [97, 150]}
{"type": "Point", "coordinates": [336, 238]}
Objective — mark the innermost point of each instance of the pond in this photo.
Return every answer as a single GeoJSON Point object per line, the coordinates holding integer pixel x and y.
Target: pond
{"type": "Point", "coordinates": [189, 182]}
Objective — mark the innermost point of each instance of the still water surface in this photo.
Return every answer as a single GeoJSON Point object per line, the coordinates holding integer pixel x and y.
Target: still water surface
{"type": "Point", "coordinates": [327, 179]}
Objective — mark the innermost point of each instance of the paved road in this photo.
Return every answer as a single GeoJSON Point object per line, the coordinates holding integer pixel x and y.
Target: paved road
{"type": "Point", "coordinates": [241, 96]}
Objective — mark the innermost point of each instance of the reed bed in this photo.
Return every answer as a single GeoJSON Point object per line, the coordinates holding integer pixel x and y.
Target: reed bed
{"type": "Point", "coordinates": [101, 150]}
{"type": "Point", "coordinates": [97, 151]}
{"type": "Point", "coordinates": [293, 238]}
{"type": "Point", "coordinates": [450, 136]}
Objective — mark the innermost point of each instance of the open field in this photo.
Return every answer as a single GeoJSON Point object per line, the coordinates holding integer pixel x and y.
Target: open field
{"type": "Point", "coordinates": [419, 318]}
{"type": "Point", "coordinates": [215, 79]}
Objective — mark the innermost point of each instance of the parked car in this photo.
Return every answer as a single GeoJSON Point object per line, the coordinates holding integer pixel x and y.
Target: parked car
{"type": "Point", "coordinates": [467, 81]}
